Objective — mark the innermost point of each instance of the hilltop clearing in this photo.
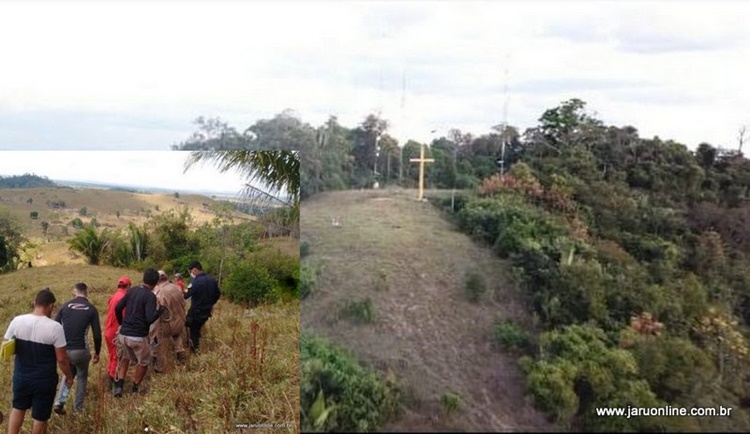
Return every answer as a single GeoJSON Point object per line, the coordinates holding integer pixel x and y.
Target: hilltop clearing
{"type": "Point", "coordinates": [412, 266]}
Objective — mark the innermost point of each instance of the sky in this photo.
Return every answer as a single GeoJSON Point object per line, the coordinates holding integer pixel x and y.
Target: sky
{"type": "Point", "coordinates": [161, 169]}
{"type": "Point", "coordinates": [136, 74]}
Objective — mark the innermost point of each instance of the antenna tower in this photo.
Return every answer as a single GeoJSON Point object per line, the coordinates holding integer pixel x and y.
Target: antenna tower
{"type": "Point", "coordinates": [504, 135]}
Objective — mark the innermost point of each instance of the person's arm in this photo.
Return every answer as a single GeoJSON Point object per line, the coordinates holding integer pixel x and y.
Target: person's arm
{"type": "Point", "coordinates": [11, 332]}
{"type": "Point", "coordinates": [152, 314]}
{"type": "Point", "coordinates": [61, 354]}
{"type": "Point", "coordinates": [64, 364]}
{"type": "Point", "coordinates": [97, 330]}
{"type": "Point", "coordinates": [189, 292]}
{"type": "Point", "coordinates": [120, 306]}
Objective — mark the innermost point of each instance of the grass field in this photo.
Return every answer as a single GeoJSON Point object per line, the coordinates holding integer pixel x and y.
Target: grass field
{"type": "Point", "coordinates": [412, 264]}
{"type": "Point", "coordinates": [100, 204]}
{"type": "Point", "coordinates": [247, 372]}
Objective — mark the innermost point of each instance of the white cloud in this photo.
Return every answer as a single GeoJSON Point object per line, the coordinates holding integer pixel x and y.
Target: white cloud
{"type": "Point", "coordinates": [160, 65]}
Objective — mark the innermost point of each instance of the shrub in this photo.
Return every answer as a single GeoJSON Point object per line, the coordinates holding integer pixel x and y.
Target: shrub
{"type": "Point", "coordinates": [77, 223]}
{"type": "Point", "coordinates": [282, 268]}
{"type": "Point", "coordinates": [83, 211]}
{"type": "Point", "coordinates": [506, 334]}
{"type": "Point", "coordinates": [249, 283]}
{"type": "Point", "coordinates": [304, 249]}
{"type": "Point", "coordinates": [362, 399]}
{"type": "Point", "coordinates": [34, 215]}
{"type": "Point", "coordinates": [475, 286]}
{"type": "Point", "coordinates": [450, 402]}
{"type": "Point", "coordinates": [358, 311]}
{"type": "Point", "coordinates": [308, 276]}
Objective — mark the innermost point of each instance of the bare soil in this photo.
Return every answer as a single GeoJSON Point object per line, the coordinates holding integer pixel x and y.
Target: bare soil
{"type": "Point", "coordinates": [412, 263]}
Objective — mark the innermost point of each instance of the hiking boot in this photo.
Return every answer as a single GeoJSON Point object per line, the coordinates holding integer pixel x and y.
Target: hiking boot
{"type": "Point", "coordinates": [181, 359]}
{"type": "Point", "coordinates": [110, 383]}
{"type": "Point", "coordinates": [139, 389]}
{"type": "Point", "coordinates": [58, 409]}
{"type": "Point", "coordinates": [118, 388]}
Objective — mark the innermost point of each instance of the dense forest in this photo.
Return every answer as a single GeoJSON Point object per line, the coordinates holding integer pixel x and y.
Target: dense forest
{"type": "Point", "coordinates": [634, 253]}
{"type": "Point", "coordinates": [25, 181]}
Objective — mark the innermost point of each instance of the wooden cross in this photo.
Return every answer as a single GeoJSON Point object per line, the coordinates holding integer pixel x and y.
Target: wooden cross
{"type": "Point", "coordinates": [421, 160]}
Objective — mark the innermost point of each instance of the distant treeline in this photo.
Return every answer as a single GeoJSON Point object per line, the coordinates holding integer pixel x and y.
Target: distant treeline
{"type": "Point", "coordinates": [25, 181]}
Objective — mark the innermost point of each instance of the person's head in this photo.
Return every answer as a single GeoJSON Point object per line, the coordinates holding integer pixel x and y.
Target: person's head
{"type": "Point", "coordinates": [178, 276]}
{"type": "Point", "coordinates": [45, 301]}
{"type": "Point", "coordinates": [150, 277]}
{"type": "Point", "coordinates": [124, 282]}
{"type": "Point", "coordinates": [163, 276]}
{"type": "Point", "coordinates": [80, 290]}
{"type": "Point", "coordinates": [195, 268]}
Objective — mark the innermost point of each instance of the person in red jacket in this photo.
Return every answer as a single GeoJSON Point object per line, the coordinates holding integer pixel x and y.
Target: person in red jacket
{"type": "Point", "coordinates": [111, 326]}
{"type": "Point", "coordinates": [179, 282]}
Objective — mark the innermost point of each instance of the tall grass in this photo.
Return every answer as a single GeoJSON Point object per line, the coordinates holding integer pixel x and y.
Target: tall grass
{"type": "Point", "coordinates": [247, 371]}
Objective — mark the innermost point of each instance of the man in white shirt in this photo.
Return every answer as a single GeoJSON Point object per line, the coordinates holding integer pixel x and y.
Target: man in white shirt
{"type": "Point", "coordinates": [40, 346]}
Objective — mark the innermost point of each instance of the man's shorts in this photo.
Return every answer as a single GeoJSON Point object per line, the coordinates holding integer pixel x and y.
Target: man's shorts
{"type": "Point", "coordinates": [38, 395]}
{"type": "Point", "coordinates": [137, 350]}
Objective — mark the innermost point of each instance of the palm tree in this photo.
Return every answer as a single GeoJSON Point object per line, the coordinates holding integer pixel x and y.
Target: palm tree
{"type": "Point", "coordinates": [276, 170]}
{"type": "Point", "coordinates": [91, 244]}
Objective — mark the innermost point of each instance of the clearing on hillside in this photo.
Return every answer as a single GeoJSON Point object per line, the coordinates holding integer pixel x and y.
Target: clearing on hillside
{"type": "Point", "coordinates": [412, 263]}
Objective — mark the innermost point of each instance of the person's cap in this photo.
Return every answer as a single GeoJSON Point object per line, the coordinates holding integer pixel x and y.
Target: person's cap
{"type": "Point", "coordinates": [163, 274]}
{"type": "Point", "coordinates": [124, 280]}
{"type": "Point", "coordinates": [178, 275]}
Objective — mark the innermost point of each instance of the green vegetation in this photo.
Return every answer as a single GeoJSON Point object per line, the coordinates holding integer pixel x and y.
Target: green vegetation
{"type": "Point", "coordinates": [353, 398]}
{"type": "Point", "coordinates": [450, 402]}
{"type": "Point", "coordinates": [475, 286]}
{"type": "Point", "coordinates": [358, 312]}
{"type": "Point", "coordinates": [508, 335]}
{"type": "Point", "coordinates": [25, 181]}
{"type": "Point", "coordinates": [633, 254]}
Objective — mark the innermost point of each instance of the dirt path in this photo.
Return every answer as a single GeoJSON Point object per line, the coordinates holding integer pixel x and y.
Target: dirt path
{"type": "Point", "coordinates": [425, 330]}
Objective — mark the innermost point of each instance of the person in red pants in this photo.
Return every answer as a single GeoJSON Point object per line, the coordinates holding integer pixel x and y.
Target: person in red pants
{"type": "Point", "coordinates": [111, 327]}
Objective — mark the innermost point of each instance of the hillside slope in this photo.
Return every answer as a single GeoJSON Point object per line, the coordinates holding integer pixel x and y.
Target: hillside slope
{"type": "Point", "coordinates": [412, 264]}
{"type": "Point", "coordinates": [104, 205]}
{"type": "Point", "coordinates": [247, 370]}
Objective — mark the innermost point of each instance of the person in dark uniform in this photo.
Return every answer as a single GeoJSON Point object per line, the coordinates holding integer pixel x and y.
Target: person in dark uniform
{"type": "Point", "coordinates": [204, 292]}
{"type": "Point", "coordinates": [77, 317]}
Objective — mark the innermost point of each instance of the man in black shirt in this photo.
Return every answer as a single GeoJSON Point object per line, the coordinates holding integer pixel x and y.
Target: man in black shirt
{"type": "Point", "coordinates": [141, 305]}
{"type": "Point", "coordinates": [76, 317]}
{"type": "Point", "coordinates": [204, 292]}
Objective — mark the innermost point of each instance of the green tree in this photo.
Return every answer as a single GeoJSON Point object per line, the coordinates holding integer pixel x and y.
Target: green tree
{"type": "Point", "coordinates": [91, 244]}
{"type": "Point", "coordinates": [278, 170]}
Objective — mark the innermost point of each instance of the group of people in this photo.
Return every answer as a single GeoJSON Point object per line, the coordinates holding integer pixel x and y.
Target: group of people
{"type": "Point", "coordinates": [141, 322]}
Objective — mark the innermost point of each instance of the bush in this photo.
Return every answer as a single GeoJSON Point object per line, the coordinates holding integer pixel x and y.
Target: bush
{"type": "Point", "coordinates": [359, 311]}
{"type": "Point", "coordinates": [450, 402]}
{"type": "Point", "coordinates": [506, 334]}
{"type": "Point", "coordinates": [361, 399]}
{"type": "Point", "coordinates": [304, 249]}
{"type": "Point", "coordinates": [250, 283]}
{"type": "Point", "coordinates": [475, 286]}
{"type": "Point", "coordinates": [308, 277]}
{"type": "Point", "coordinates": [34, 215]}
{"type": "Point", "coordinates": [283, 269]}
{"type": "Point", "coordinates": [77, 223]}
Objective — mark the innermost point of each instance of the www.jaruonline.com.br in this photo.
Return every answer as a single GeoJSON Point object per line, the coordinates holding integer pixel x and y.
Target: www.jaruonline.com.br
{"type": "Point", "coordinates": [664, 411]}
